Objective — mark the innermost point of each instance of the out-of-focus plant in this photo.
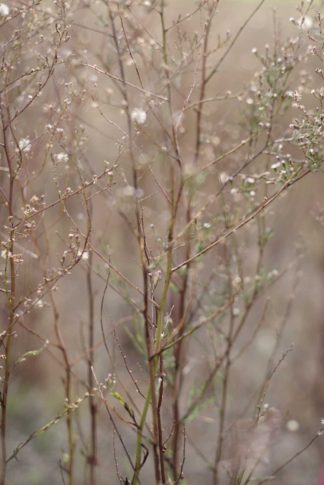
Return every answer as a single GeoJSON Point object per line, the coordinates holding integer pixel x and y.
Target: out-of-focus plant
{"type": "Point", "coordinates": [188, 174]}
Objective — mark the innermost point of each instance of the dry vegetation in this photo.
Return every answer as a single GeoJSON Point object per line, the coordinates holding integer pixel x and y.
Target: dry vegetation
{"type": "Point", "coordinates": [155, 168]}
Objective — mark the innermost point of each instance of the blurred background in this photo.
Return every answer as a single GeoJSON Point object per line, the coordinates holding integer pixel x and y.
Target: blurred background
{"type": "Point", "coordinates": [295, 256]}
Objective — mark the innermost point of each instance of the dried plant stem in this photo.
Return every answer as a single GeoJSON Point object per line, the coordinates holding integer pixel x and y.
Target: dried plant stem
{"type": "Point", "coordinates": [92, 457]}
{"type": "Point", "coordinates": [67, 382]}
{"type": "Point", "coordinates": [234, 40]}
{"type": "Point", "coordinates": [301, 174]}
{"type": "Point", "coordinates": [291, 459]}
{"type": "Point", "coordinates": [227, 366]}
{"type": "Point", "coordinates": [10, 274]}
